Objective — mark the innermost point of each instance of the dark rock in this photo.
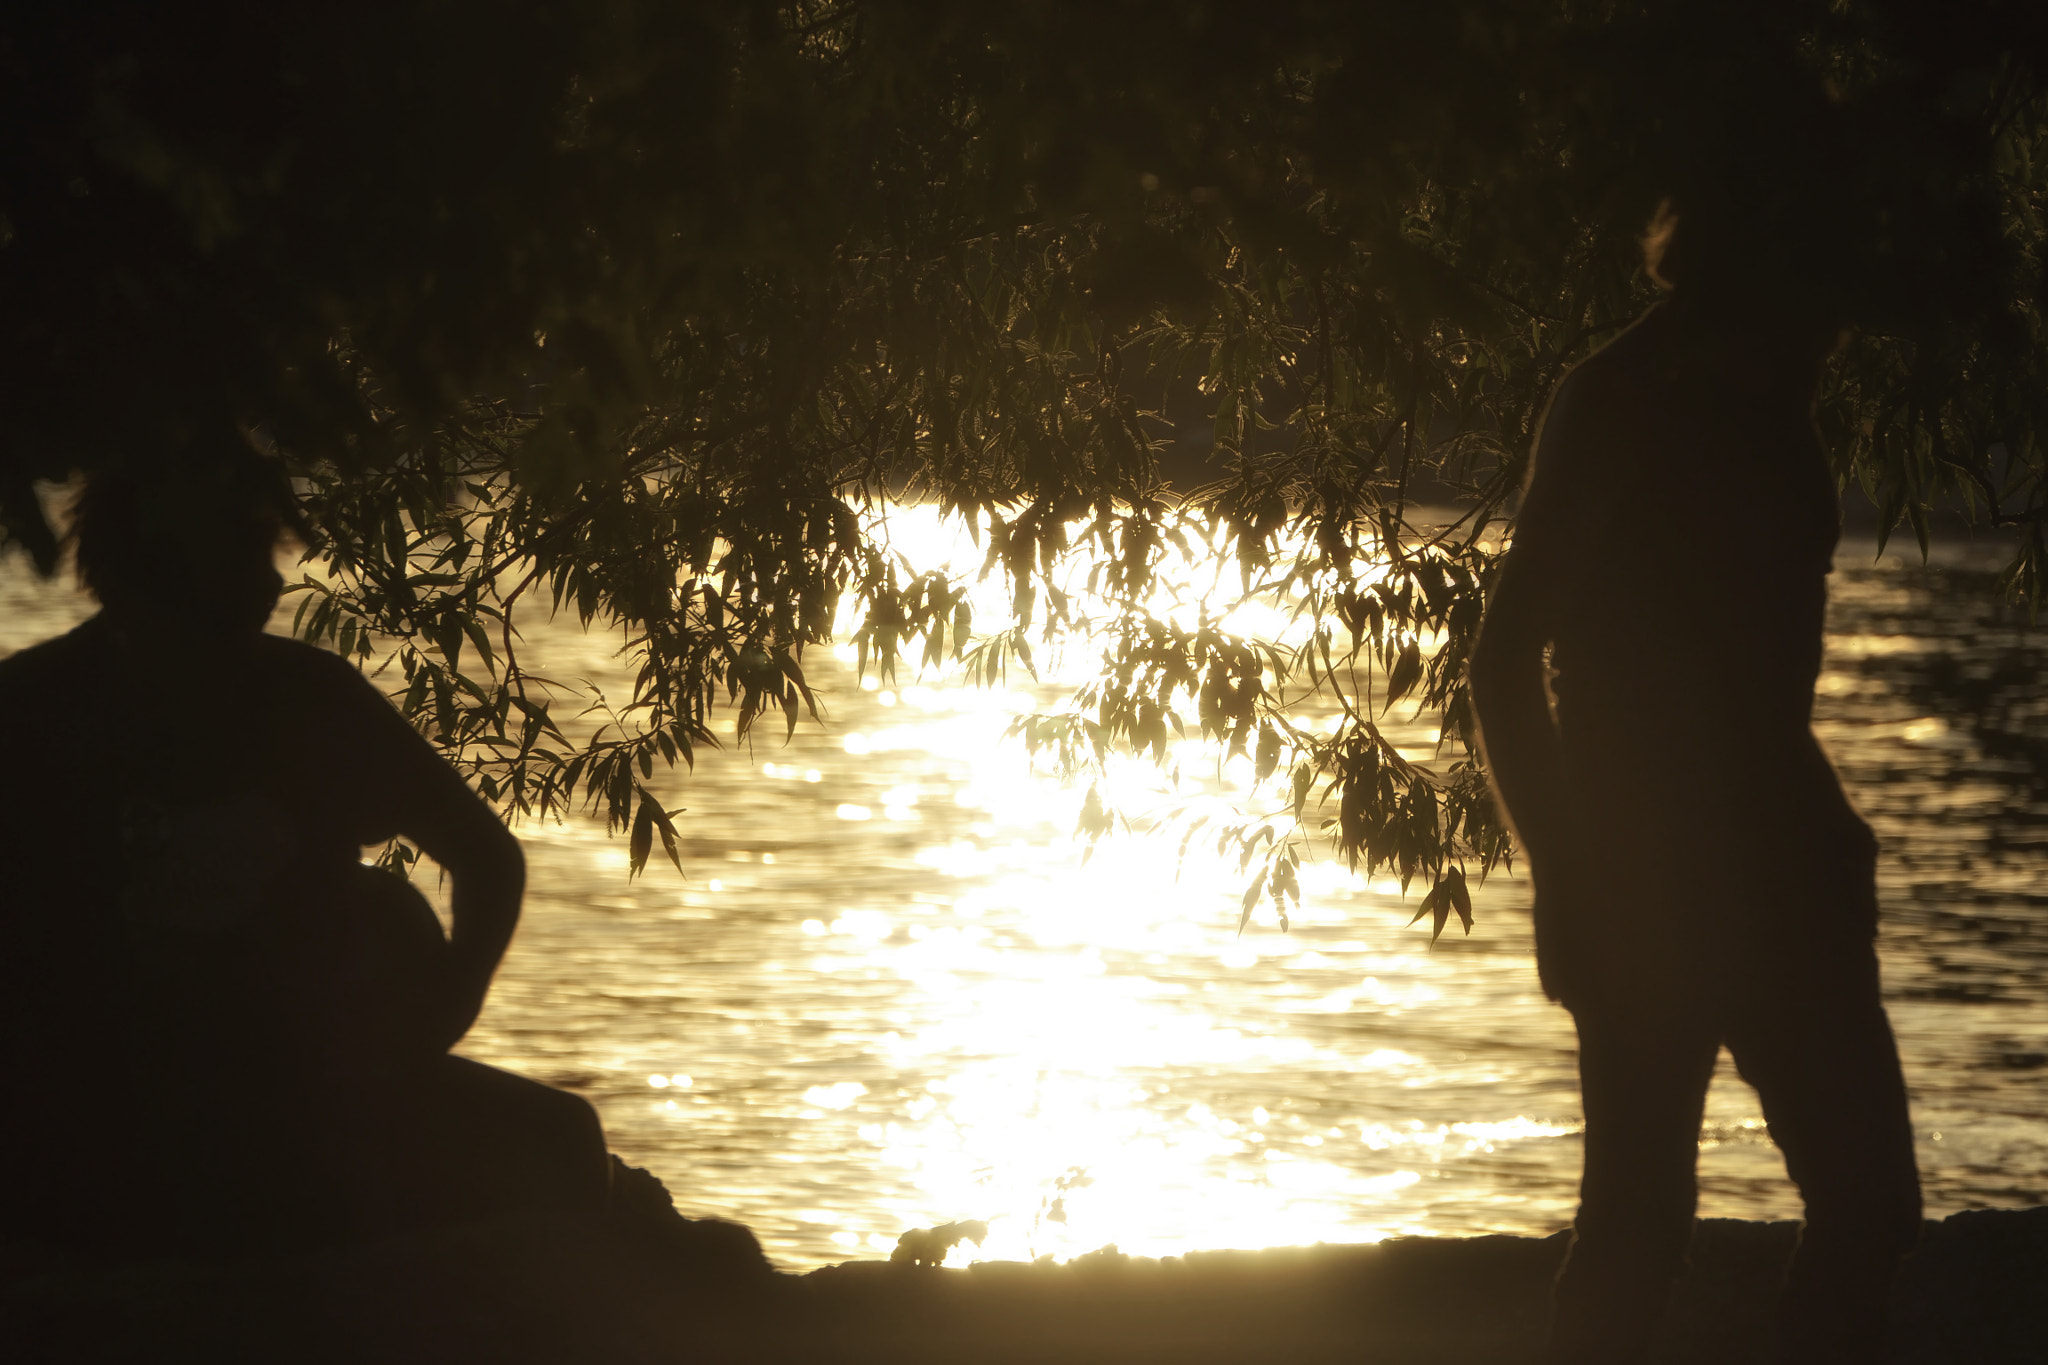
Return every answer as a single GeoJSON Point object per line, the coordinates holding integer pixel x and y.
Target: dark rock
{"type": "Point", "coordinates": [929, 1246]}
{"type": "Point", "coordinates": [1977, 1290]}
{"type": "Point", "coordinates": [646, 1285]}
{"type": "Point", "coordinates": [708, 1250]}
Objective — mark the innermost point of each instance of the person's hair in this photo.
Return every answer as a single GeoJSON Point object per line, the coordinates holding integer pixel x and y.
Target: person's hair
{"type": "Point", "coordinates": [1787, 254]}
{"type": "Point", "coordinates": [1660, 246]}
{"type": "Point", "coordinates": [192, 539]}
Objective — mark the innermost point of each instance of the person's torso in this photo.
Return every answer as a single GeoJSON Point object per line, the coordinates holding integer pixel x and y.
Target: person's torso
{"type": "Point", "coordinates": [1690, 636]}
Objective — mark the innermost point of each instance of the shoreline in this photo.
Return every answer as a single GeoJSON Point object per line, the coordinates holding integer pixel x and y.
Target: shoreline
{"type": "Point", "coordinates": [558, 1288]}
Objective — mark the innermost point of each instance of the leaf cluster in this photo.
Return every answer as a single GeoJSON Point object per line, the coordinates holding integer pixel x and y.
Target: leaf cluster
{"type": "Point", "coordinates": [650, 312]}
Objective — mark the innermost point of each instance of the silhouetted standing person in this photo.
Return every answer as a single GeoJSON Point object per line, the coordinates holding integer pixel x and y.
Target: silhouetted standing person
{"type": "Point", "coordinates": [222, 1032]}
{"type": "Point", "coordinates": [1701, 880]}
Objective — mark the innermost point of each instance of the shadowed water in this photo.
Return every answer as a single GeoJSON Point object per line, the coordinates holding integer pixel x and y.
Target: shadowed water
{"type": "Point", "coordinates": [888, 993]}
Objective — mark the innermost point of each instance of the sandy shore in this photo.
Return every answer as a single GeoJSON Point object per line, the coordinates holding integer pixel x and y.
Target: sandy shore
{"type": "Point", "coordinates": [577, 1290]}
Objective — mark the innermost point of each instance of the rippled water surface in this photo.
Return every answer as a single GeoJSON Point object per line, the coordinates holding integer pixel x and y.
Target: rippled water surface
{"type": "Point", "coordinates": [889, 993]}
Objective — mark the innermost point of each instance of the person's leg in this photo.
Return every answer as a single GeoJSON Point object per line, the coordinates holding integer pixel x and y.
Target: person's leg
{"type": "Point", "coordinates": [1815, 1043]}
{"type": "Point", "coordinates": [1643, 1076]}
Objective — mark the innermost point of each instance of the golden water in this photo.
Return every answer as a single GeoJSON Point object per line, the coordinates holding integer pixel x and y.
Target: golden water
{"type": "Point", "coordinates": [888, 993]}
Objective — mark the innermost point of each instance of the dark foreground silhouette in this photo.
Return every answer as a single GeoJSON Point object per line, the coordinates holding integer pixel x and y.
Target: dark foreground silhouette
{"type": "Point", "coordinates": [1701, 880]}
{"type": "Point", "coordinates": [565, 1286]}
{"type": "Point", "coordinates": [222, 1033]}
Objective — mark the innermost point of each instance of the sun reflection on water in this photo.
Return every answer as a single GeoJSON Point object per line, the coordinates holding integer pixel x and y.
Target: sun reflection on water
{"type": "Point", "coordinates": [972, 1016]}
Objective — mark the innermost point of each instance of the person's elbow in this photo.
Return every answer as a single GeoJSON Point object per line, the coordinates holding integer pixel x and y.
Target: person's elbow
{"type": "Point", "coordinates": [488, 855]}
{"type": "Point", "coordinates": [506, 859]}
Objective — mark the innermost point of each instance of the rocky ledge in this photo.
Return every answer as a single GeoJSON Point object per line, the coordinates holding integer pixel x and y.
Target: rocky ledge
{"type": "Point", "coordinates": [604, 1290]}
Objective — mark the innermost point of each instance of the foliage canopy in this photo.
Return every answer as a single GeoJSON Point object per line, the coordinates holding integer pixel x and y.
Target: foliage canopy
{"type": "Point", "coordinates": [634, 308]}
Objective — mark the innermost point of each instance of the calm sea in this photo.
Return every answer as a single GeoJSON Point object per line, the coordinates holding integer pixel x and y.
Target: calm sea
{"type": "Point", "coordinates": [888, 992]}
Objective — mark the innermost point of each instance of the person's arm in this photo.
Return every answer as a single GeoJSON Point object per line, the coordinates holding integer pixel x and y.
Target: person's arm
{"type": "Point", "coordinates": [1519, 737]}
{"type": "Point", "coordinates": [487, 872]}
{"type": "Point", "coordinates": [419, 796]}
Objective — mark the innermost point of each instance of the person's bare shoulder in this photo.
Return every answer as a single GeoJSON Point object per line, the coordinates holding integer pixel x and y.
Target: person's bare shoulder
{"type": "Point", "coordinates": [1588, 422]}
{"type": "Point", "coordinates": [287, 655]}
{"type": "Point", "coordinates": [326, 688]}
{"type": "Point", "coordinates": [47, 667]}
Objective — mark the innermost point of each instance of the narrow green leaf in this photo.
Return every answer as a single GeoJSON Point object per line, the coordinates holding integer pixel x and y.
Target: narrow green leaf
{"type": "Point", "coordinates": [642, 842]}
{"type": "Point", "coordinates": [1268, 752]}
{"type": "Point", "coordinates": [1251, 899]}
{"type": "Point", "coordinates": [481, 639]}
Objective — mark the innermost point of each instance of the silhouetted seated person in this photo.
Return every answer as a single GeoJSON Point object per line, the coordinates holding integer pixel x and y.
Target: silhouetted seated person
{"type": "Point", "coordinates": [222, 1032]}
{"type": "Point", "coordinates": [1701, 880]}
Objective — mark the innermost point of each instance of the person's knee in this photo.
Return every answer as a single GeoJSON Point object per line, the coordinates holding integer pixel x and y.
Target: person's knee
{"type": "Point", "coordinates": [580, 1124]}
{"type": "Point", "coordinates": [575, 1136]}
{"type": "Point", "coordinates": [552, 1139]}
{"type": "Point", "coordinates": [566, 1123]}
{"type": "Point", "coordinates": [563, 1117]}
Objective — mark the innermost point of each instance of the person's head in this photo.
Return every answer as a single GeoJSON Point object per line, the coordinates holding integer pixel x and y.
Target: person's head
{"type": "Point", "coordinates": [1737, 257]}
{"type": "Point", "coordinates": [1761, 226]}
{"type": "Point", "coordinates": [186, 547]}
{"type": "Point", "coordinates": [1773, 306]}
